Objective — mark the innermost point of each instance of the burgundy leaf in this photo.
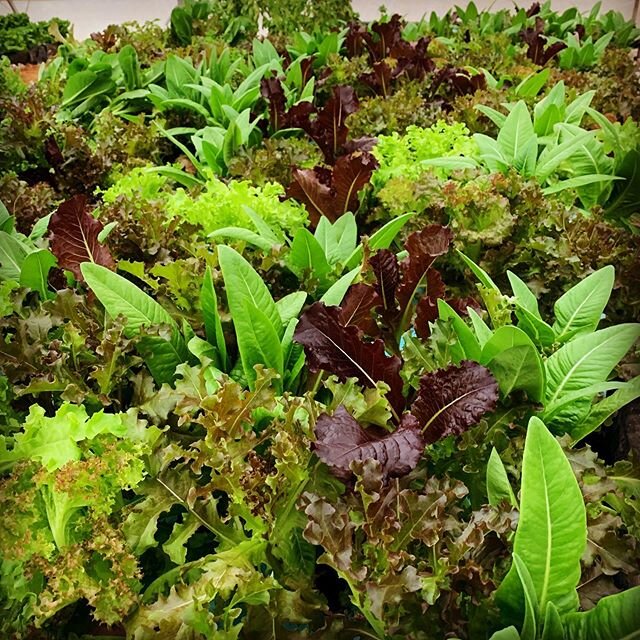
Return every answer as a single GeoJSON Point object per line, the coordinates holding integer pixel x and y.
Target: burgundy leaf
{"type": "Point", "coordinates": [299, 115]}
{"type": "Point", "coordinates": [329, 129]}
{"type": "Point", "coordinates": [380, 78]}
{"type": "Point", "coordinates": [357, 306]}
{"type": "Point", "coordinates": [332, 347]}
{"type": "Point", "coordinates": [365, 143]}
{"type": "Point", "coordinates": [387, 271]}
{"type": "Point", "coordinates": [388, 34]}
{"type": "Point", "coordinates": [74, 237]}
{"type": "Point", "coordinates": [52, 152]}
{"type": "Point", "coordinates": [423, 248]}
{"type": "Point", "coordinates": [536, 40]}
{"type": "Point", "coordinates": [332, 192]}
{"type": "Point", "coordinates": [552, 51]}
{"type": "Point", "coordinates": [350, 174]}
{"type": "Point", "coordinates": [341, 440]}
{"type": "Point", "coordinates": [427, 307]}
{"type": "Point", "coordinates": [271, 89]}
{"type": "Point", "coordinates": [461, 305]}
{"type": "Point", "coordinates": [533, 10]}
{"type": "Point", "coordinates": [309, 188]}
{"type": "Point", "coordinates": [451, 400]}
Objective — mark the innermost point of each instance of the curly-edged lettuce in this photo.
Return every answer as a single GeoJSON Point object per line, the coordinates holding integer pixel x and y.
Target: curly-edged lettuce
{"type": "Point", "coordinates": [404, 155]}
{"type": "Point", "coordinates": [61, 541]}
{"type": "Point", "coordinates": [223, 205]}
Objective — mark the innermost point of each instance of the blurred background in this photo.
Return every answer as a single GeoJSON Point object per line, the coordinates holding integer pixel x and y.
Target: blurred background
{"type": "Point", "coordinates": [90, 16]}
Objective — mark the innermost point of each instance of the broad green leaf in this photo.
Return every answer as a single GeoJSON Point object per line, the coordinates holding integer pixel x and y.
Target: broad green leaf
{"type": "Point", "coordinates": [588, 359]}
{"type": "Point", "coordinates": [515, 362]}
{"type": "Point", "coordinates": [163, 355]}
{"type": "Point", "coordinates": [529, 319]}
{"type": "Point", "coordinates": [524, 297]}
{"type": "Point", "coordinates": [466, 337]}
{"type": "Point", "coordinates": [381, 239]}
{"type": "Point", "coordinates": [12, 255]}
{"type": "Point", "coordinates": [246, 235]}
{"type": "Point", "coordinates": [290, 306]}
{"type": "Point", "coordinates": [242, 283]}
{"type": "Point", "coordinates": [555, 154]}
{"type": "Point", "coordinates": [579, 309]}
{"type": "Point", "coordinates": [583, 393]}
{"type": "Point", "coordinates": [532, 84]}
{"type": "Point", "coordinates": [212, 321]}
{"type": "Point", "coordinates": [121, 297]}
{"type": "Point", "coordinates": [510, 633]}
{"type": "Point", "coordinates": [579, 181]}
{"type": "Point", "coordinates": [335, 293]}
{"type": "Point", "coordinates": [263, 228]}
{"type": "Point", "coordinates": [482, 331]}
{"type": "Point", "coordinates": [6, 220]}
{"type": "Point", "coordinates": [516, 134]}
{"type": "Point", "coordinates": [479, 273]}
{"type": "Point", "coordinates": [491, 154]}
{"type": "Point", "coordinates": [552, 530]}
{"type": "Point", "coordinates": [494, 115]}
{"type": "Point", "coordinates": [338, 240]}
{"type": "Point", "coordinates": [575, 110]}
{"type": "Point", "coordinates": [615, 617]}
{"type": "Point", "coordinates": [553, 629]}
{"type": "Point", "coordinates": [128, 61]}
{"type": "Point", "coordinates": [35, 272]}
{"type": "Point", "coordinates": [307, 257]}
{"type": "Point", "coordinates": [40, 228]}
{"type": "Point", "coordinates": [498, 485]}
{"type": "Point", "coordinates": [604, 409]}
{"type": "Point", "coordinates": [258, 343]}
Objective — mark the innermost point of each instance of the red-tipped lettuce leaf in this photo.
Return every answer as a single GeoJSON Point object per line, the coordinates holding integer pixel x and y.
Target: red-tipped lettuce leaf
{"type": "Point", "coordinates": [332, 192]}
{"type": "Point", "coordinates": [450, 401]}
{"type": "Point", "coordinates": [356, 307]}
{"type": "Point", "coordinates": [387, 272]}
{"type": "Point", "coordinates": [341, 440]}
{"type": "Point", "coordinates": [74, 237]}
{"type": "Point", "coordinates": [350, 174]}
{"type": "Point", "coordinates": [340, 350]}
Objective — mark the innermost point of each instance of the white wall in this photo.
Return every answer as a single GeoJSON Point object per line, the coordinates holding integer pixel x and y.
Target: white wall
{"type": "Point", "coordinates": [94, 15]}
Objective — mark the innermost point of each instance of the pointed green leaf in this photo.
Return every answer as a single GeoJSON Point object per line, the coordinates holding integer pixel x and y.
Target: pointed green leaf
{"type": "Point", "coordinates": [498, 485]}
{"type": "Point", "coordinates": [579, 309]}
{"type": "Point", "coordinates": [615, 617]}
{"type": "Point", "coordinates": [552, 530]}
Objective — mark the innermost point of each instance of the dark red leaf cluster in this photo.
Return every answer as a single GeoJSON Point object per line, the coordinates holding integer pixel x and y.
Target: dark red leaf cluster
{"type": "Point", "coordinates": [449, 402]}
{"type": "Point", "coordinates": [74, 237]}
{"type": "Point", "coordinates": [341, 349]}
{"type": "Point", "coordinates": [341, 440]}
{"type": "Point", "coordinates": [326, 126]}
{"type": "Point", "coordinates": [332, 192]}
{"type": "Point", "coordinates": [536, 41]}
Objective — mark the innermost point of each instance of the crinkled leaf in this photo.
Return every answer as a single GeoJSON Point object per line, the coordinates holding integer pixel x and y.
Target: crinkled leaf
{"type": "Point", "coordinates": [341, 440]}
{"type": "Point", "coordinates": [451, 400]}
{"type": "Point", "coordinates": [340, 350]}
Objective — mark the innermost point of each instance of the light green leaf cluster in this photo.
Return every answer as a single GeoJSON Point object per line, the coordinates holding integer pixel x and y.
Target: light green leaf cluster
{"type": "Point", "coordinates": [222, 205]}
{"type": "Point", "coordinates": [405, 155]}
